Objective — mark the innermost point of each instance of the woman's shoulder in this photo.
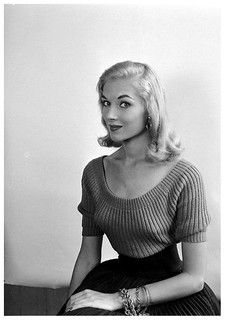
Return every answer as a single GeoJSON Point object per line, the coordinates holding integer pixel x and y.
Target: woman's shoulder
{"type": "Point", "coordinates": [93, 163]}
{"type": "Point", "coordinates": [188, 171]}
{"type": "Point", "coordinates": [92, 172]}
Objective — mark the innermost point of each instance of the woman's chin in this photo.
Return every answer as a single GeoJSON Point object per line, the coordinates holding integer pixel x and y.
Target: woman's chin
{"type": "Point", "coordinates": [115, 139]}
{"type": "Point", "coordinates": [119, 142]}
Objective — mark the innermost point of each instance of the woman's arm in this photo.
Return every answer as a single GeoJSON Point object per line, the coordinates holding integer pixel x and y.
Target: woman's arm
{"type": "Point", "coordinates": [88, 257]}
{"type": "Point", "coordinates": [191, 280]}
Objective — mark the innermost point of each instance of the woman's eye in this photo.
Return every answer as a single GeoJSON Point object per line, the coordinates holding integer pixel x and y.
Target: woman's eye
{"type": "Point", "coordinates": [105, 103]}
{"type": "Point", "coordinates": [125, 104]}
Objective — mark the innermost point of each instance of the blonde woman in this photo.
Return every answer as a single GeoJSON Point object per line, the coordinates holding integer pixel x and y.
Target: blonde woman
{"type": "Point", "coordinates": [145, 198]}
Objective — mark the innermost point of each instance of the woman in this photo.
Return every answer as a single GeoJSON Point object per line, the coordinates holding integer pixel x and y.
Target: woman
{"type": "Point", "coordinates": [146, 199]}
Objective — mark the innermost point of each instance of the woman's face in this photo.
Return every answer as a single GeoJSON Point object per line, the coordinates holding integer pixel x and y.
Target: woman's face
{"type": "Point", "coordinates": [122, 110]}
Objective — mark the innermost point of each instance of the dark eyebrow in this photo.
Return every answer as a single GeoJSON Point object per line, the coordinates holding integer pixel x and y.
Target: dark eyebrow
{"type": "Point", "coordinates": [120, 97]}
{"type": "Point", "coordinates": [124, 96]}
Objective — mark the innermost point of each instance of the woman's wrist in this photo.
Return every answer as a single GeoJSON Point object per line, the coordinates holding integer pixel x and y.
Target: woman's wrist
{"type": "Point", "coordinates": [135, 301]}
{"type": "Point", "coordinates": [117, 299]}
{"type": "Point", "coordinates": [147, 298]}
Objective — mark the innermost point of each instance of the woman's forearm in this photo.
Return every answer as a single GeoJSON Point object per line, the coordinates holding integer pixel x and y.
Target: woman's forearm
{"type": "Point", "coordinates": [82, 267]}
{"type": "Point", "coordinates": [172, 288]}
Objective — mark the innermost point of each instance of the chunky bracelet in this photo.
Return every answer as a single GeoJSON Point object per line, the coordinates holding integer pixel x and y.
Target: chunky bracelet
{"type": "Point", "coordinates": [127, 303]}
{"type": "Point", "coordinates": [140, 312]}
{"type": "Point", "coordinates": [131, 308]}
{"type": "Point", "coordinates": [138, 302]}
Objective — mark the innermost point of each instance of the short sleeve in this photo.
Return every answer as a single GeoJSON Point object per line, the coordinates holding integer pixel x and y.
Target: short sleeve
{"type": "Point", "coordinates": [192, 216]}
{"type": "Point", "coordinates": [87, 208]}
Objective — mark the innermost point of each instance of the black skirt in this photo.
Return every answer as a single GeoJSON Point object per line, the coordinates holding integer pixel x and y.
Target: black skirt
{"type": "Point", "coordinates": [125, 272]}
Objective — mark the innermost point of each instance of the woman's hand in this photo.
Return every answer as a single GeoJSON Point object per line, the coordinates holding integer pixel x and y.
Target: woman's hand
{"type": "Point", "coordinates": [94, 299]}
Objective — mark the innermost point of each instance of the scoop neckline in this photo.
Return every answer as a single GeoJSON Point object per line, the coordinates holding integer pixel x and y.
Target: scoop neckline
{"type": "Point", "coordinates": [142, 196]}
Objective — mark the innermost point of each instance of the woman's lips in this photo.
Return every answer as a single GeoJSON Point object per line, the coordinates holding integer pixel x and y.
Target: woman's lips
{"type": "Point", "coordinates": [114, 127]}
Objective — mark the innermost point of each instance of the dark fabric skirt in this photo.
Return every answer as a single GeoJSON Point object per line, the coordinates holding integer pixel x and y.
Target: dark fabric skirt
{"type": "Point", "coordinates": [125, 272]}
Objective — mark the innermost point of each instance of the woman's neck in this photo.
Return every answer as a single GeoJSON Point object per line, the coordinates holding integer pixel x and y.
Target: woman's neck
{"type": "Point", "coordinates": [135, 149]}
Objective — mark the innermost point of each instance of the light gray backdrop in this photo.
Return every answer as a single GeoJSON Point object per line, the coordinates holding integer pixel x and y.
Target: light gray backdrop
{"type": "Point", "coordinates": [54, 55]}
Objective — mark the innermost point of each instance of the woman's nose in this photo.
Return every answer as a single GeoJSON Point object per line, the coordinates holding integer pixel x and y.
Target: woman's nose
{"type": "Point", "coordinates": [111, 112]}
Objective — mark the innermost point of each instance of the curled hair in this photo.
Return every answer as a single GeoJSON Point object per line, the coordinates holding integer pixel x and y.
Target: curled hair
{"type": "Point", "coordinates": [165, 145]}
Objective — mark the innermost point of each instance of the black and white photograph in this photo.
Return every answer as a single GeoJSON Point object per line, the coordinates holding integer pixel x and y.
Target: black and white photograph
{"type": "Point", "coordinates": [112, 170]}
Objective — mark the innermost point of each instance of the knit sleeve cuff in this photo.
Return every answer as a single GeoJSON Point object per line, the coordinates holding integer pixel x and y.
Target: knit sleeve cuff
{"type": "Point", "coordinates": [196, 237]}
{"type": "Point", "coordinates": [90, 228]}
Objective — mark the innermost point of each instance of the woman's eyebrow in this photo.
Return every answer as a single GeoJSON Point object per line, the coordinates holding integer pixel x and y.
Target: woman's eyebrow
{"type": "Point", "coordinates": [125, 96]}
{"type": "Point", "coordinates": [120, 97]}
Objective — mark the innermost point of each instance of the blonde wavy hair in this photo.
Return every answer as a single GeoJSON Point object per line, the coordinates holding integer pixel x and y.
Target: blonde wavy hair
{"type": "Point", "coordinates": [165, 145]}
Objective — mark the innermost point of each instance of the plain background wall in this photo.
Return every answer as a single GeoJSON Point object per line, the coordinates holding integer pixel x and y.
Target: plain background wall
{"type": "Point", "coordinates": [54, 55]}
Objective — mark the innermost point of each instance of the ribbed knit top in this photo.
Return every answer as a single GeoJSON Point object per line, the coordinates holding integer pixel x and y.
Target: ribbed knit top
{"type": "Point", "coordinates": [174, 210]}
